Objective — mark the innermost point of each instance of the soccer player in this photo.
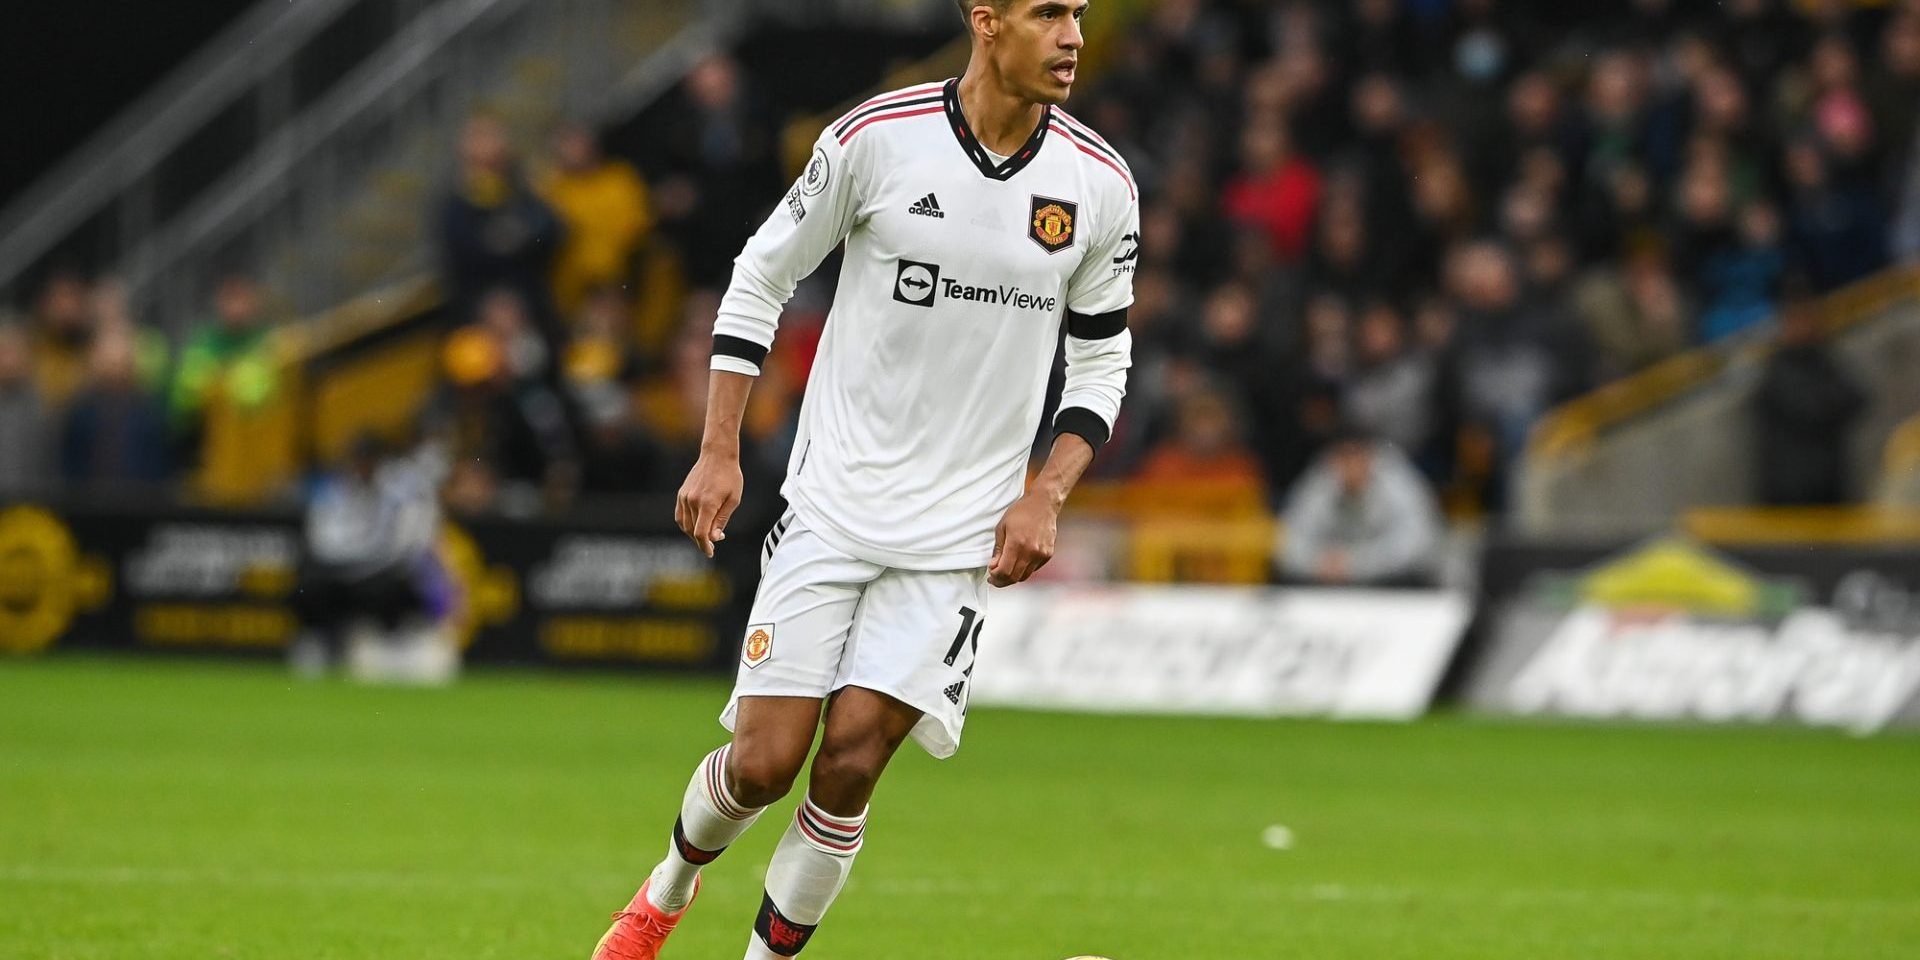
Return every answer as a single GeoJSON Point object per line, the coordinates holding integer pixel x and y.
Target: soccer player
{"type": "Point", "coordinates": [977, 216]}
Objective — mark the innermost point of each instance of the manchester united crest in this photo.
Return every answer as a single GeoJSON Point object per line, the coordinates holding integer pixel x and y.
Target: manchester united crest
{"type": "Point", "coordinates": [759, 645]}
{"type": "Point", "coordinates": [1052, 223]}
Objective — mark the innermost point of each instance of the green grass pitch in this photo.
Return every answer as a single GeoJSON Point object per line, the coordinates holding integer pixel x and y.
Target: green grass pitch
{"type": "Point", "coordinates": [198, 811]}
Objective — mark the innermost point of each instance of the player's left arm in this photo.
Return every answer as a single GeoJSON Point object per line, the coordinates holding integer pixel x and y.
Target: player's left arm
{"type": "Point", "coordinates": [1099, 350]}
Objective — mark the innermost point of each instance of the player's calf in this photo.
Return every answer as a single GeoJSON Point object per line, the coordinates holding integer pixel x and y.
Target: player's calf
{"type": "Point", "coordinates": [808, 869]}
{"type": "Point", "coordinates": [711, 817]}
{"type": "Point", "coordinates": [863, 731]}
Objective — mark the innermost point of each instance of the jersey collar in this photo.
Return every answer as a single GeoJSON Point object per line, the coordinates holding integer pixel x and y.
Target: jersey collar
{"type": "Point", "coordinates": [978, 154]}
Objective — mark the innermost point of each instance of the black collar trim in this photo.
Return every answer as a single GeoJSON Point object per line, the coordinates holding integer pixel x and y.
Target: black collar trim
{"type": "Point", "coordinates": [978, 154]}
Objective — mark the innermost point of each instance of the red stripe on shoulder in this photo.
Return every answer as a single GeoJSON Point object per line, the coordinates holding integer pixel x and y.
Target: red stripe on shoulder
{"type": "Point", "coordinates": [909, 92]}
{"type": "Point", "coordinates": [1132, 190]}
{"type": "Point", "coordinates": [901, 115]}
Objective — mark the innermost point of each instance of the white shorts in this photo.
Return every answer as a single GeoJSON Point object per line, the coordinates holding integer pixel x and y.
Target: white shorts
{"type": "Point", "coordinates": [823, 620]}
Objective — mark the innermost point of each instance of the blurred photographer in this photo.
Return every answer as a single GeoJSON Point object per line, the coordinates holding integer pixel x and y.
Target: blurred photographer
{"type": "Point", "coordinates": [371, 579]}
{"type": "Point", "coordinates": [1362, 515]}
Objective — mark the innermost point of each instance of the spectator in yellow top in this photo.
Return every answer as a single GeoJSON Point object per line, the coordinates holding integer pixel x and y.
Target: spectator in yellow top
{"type": "Point", "coordinates": [607, 212]}
{"type": "Point", "coordinates": [63, 339]}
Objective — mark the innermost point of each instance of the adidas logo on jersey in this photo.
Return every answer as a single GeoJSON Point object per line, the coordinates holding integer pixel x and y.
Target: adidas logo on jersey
{"type": "Point", "coordinates": [928, 206]}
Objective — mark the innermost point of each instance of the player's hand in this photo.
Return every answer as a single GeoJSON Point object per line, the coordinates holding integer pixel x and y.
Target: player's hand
{"type": "Point", "coordinates": [1023, 543]}
{"type": "Point", "coordinates": [708, 498]}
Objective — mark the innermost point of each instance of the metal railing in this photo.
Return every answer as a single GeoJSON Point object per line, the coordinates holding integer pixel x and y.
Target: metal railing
{"type": "Point", "coordinates": [106, 196]}
{"type": "Point", "coordinates": [260, 150]}
{"type": "Point", "coordinates": [1633, 457]}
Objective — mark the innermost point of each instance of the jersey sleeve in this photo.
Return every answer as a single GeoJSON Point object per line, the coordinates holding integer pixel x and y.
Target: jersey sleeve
{"type": "Point", "coordinates": [1099, 347]}
{"type": "Point", "coordinates": [810, 220]}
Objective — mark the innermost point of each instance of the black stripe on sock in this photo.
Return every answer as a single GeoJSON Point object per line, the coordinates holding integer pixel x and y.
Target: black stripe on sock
{"type": "Point", "coordinates": [781, 935]}
{"type": "Point", "coordinates": [831, 831]}
{"type": "Point", "coordinates": [688, 851]}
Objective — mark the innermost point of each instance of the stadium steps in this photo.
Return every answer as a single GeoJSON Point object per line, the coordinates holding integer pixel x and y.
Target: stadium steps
{"type": "Point", "coordinates": [1899, 484]}
{"type": "Point", "coordinates": [375, 236]}
{"type": "Point", "coordinates": [1634, 457]}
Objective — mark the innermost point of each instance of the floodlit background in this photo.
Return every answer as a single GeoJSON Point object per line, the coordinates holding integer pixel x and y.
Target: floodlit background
{"type": "Point", "coordinates": [1510, 547]}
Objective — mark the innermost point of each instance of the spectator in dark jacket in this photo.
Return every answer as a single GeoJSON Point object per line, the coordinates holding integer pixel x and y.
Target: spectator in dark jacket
{"type": "Point", "coordinates": [1805, 410]}
{"type": "Point", "coordinates": [1739, 283]}
{"type": "Point", "coordinates": [715, 153]}
{"type": "Point", "coordinates": [1836, 227]}
{"type": "Point", "coordinates": [494, 230]}
{"type": "Point", "coordinates": [497, 407]}
{"type": "Point", "coordinates": [116, 432]}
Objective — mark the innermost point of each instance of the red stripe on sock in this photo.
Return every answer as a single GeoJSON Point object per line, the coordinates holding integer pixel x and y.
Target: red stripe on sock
{"type": "Point", "coordinates": [815, 835]}
{"type": "Point", "coordinates": [845, 824]}
{"type": "Point", "coordinates": [716, 786]}
{"type": "Point", "coordinates": [830, 831]}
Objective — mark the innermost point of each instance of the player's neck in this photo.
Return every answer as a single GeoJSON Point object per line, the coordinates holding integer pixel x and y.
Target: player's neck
{"type": "Point", "coordinates": [1002, 121]}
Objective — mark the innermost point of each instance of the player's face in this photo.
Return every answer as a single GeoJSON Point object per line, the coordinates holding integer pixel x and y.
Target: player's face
{"type": "Point", "coordinates": [1038, 47]}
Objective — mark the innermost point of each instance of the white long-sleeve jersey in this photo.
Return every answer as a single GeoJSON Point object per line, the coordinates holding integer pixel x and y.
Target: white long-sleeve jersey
{"type": "Point", "coordinates": [960, 268]}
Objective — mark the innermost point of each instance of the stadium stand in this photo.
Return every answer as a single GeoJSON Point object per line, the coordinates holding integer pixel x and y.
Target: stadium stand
{"type": "Point", "coordinates": [1535, 251]}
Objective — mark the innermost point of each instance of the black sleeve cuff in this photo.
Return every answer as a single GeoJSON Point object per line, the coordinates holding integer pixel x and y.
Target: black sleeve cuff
{"type": "Point", "coordinates": [1099, 326]}
{"type": "Point", "coordinates": [1084, 423]}
{"type": "Point", "coordinates": [731, 346]}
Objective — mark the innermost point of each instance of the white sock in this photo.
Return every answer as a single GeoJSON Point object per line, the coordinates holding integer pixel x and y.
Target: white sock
{"type": "Point", "coordinates": [808, 869]}
{"type": "Point", "coordinates": [710, 820]}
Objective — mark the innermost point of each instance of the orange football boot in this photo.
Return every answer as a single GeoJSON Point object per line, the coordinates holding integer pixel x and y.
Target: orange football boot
{"type": "Point", "coordinates": [641, 929]}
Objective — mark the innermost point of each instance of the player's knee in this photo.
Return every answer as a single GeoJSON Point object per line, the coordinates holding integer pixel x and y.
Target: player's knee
{"type": "Point", "coordinates": [761, 778]}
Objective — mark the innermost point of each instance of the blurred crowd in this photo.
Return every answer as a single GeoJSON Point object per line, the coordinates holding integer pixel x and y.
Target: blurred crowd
{"type": "Point", "coordinates": [1417, 224]}
{"type": "Point", "coordinates": [93, 401]}
{"type": "Point", "coordinates": [1423, 221]}
{"type": "Point", "coordinates": [584, 285]}
{"type": "Point", "coordinates": [1435, 220]}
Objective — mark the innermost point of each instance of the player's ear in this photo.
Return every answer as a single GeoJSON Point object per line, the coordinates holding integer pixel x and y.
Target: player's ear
{"type": "Point", "coordinates": [985, 22]}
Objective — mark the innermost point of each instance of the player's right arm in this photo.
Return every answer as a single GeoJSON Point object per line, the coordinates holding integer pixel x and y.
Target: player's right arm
{"type": "Point", "coordinates": [808, 222]}
{"type": "Point", "coordinates": [713, 488]}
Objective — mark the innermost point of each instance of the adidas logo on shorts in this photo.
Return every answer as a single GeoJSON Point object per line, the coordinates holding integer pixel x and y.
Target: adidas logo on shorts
{"type": "Point", "coordinates": [953, 692]}
{"type": "Point", "coordinates": [928, 206]}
